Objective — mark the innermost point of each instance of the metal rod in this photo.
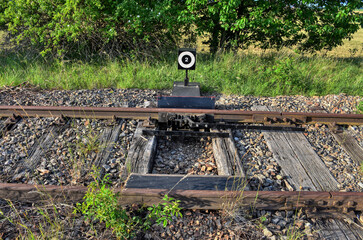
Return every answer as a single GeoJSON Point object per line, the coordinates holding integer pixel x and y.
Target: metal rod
{"type": "Point", "coordinates": [186, 80]}
{"type": "Point", "coordinates": [185, 133]}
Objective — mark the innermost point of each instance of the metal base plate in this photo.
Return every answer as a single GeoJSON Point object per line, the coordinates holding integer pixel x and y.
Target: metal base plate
{"type": "Point", "coordinates": [192, 90]}
{"type": "Point", "coordinates": [186, 102]}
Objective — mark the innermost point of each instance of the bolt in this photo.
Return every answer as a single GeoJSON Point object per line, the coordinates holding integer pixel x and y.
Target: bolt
{"type": "Point", "coordinates": [321, 202]}
{"type": "Point", "coordinates": [336, 203]}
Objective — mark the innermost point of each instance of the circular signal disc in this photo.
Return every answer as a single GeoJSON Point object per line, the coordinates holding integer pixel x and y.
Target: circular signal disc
{"type": "Point", "coordinates": [192, 59]}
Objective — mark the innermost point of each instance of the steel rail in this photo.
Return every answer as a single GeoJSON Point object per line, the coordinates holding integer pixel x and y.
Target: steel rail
{"type": "Point", "coordinates": [194, 199]}
{"type": "Point", "coordinates": [236, 116]}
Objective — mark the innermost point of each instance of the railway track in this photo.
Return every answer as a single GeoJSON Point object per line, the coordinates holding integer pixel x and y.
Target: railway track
{"type": "Point", "coordinates": [195, 192]}
{"type": "Point", "coordinates": [266, 117]}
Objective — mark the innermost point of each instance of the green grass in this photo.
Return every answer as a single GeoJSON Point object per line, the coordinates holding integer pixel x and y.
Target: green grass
{"type": "Point", "coordinates": [267, 74]}
{"type": "Point", "coordinates": [360, 107]}
{"type": "Point", "coordinates": [251, 72]}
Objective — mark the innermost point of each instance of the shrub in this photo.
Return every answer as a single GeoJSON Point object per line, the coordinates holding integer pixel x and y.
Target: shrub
{"type": "Point", "coordinates": [101, 203]}
{"type": "Point", "coordinates": [75, 27]}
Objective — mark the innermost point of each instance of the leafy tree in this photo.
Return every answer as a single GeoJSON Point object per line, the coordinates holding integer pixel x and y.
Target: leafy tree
{"type": "Point", "coordinates": [310, 24]}
{"type": "Point", "coordinates": [96, 25]}
{"type": "Point", "coordinates": [114, 26]}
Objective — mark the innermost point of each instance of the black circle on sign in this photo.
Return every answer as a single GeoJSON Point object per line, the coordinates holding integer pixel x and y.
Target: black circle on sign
{"type": "Point", "coordinates": [186, 59]}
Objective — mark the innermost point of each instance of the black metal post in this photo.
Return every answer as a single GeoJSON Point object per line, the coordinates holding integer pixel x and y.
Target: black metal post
{"type": "Point", "coordinates": [186, 80]}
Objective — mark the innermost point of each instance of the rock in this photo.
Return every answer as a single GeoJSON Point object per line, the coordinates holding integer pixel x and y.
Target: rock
{"type": "Point", "coordinates": [106, 167]}
{"type": "Point", "coordinates": [282, 223]}
{"type": "Point", "coordinates": [267, 232]}
{"type": "Point", "coordinates": [275, 220]}
{"type": "Point", "coordinates": [308, 228]}
{"type": "Point", "coordinates": [300, 224]}
{"type": "Point", "coordinates": [176, 168]}
{"type": "Point", "coordinates": [8, 162]}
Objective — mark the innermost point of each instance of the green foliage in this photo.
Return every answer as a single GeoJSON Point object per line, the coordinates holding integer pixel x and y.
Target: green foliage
{"type": "Point", "coordinates": [145, 27]}
{"type": "Point", "coordinates": [101, 203]}
{"type": "Point", "coordinates": [294, 233]}
{"type": "Point", "coordinates": [260, 222]}
{"type": "Point", "coordinates": [74, 25]}
{"type": "Point", "coordinates": [282, 77]}
{"type": "Point", "coordinates": [163, 212]}
{"type": "Point", "coordinates": [50, 222]}
{"type": "Point", "coordinates": [310, 24]}
{"type": "Point", "coordinates": [360, 107]}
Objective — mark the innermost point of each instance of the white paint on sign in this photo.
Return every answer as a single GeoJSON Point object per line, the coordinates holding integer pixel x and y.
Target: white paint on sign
{"type": "Point", "coordinates": [184, 58]}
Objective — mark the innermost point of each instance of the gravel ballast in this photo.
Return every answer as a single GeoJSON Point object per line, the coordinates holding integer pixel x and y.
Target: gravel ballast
{"type": "Point", "coordinates": [177, 157]}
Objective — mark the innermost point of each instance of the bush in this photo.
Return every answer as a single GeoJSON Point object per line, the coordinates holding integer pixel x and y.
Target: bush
{"type": "Point", "coordinates": [310, 24]}
{"type": "Point", "coordinates": [92, 26]}
{"type": "Point", "coordinates": [143, 26]}
{"type": "Point", "coordinates": [101, 203]}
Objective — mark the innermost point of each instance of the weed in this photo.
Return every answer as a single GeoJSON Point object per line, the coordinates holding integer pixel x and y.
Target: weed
{"type": "Point", "coordinates": [261, 221]}
{"type": "Point", "coordinates": [163, 212]}
{"type": "Point", "coordinates": [82, 151]}
{"type": "Point", "coordinates": [360, 108]}
{"type": "Point", "coordinates": [47, 223]}
{"type": "Point", "coordinates": [232, 206]}
{"type": "Point", "coordinates": [101, 203]}
{"type": "Point", "coordinates": [293, 233]}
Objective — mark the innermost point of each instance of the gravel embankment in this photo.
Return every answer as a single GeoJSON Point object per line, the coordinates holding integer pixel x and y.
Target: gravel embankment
{"type": "Point", "coordinates": [73, 149]}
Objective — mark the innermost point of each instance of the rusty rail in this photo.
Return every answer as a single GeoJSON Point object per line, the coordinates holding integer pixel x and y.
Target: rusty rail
{"type": "Point", "coordinates": [146, 113]}
{"type": "Point", "coordinates": [194, 199]}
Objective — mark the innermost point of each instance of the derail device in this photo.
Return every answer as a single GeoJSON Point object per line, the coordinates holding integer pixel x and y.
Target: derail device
{"type": "Point", "coordinates": [186, 94]}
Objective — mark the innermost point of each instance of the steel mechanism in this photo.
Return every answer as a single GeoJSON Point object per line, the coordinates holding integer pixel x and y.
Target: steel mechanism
{"type": "Point", "coordinates": [201, 125]}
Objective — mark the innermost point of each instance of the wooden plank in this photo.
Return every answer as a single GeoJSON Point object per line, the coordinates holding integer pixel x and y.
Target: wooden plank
{"type": "Point", "coordinates": [108, 139]}
{"type": "Point", "coordinates": [298, 160]}
{"type": "Point", "coordinates": [3, 127]}
{"type": "Point", "coordinates": [37, 151]}
{"type": "Point", "coordinates": [350, 145]}
{"type": "Point", "coordinates": [287, 159]}
{"type": "Point", "coordinates": [38, 193]}
{"type": "Point", "coordinates": [226, 156]}
{"type": "Point", "coordinates": [311, 162]}
{"type": "Point", "coordinates": [8, 125]}
{"type": "Point", "coordinates": [334, 229]}
{"type": "Point", "coordinates": [305, 169]}
{"type": "Point", "coordinates": [330, 230]}
{"type": "Point", "coordinates": [185, 182]}
{"type": "Point", "coordinates": [351, 230]}
{"type": "Point", "coordinates": [141, 153]}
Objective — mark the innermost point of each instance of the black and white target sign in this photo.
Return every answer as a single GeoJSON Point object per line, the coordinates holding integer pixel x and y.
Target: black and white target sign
{"type": "Point", "coordinates": [187, 58]}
